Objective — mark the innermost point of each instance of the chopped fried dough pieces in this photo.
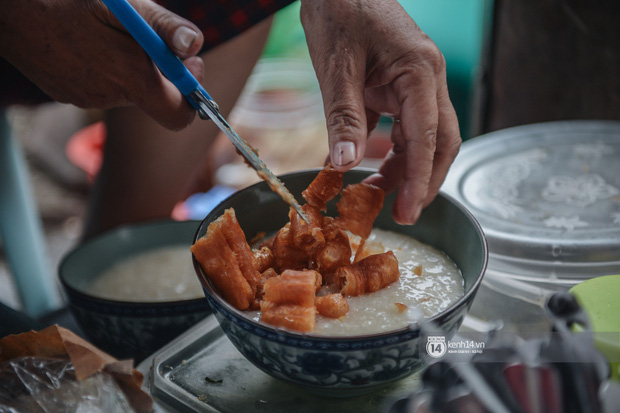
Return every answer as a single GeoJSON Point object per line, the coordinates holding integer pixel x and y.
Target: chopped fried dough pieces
{"type": "Point", "coordinates": [283, 276]}
{"type": "Point", "coordinates": [229, 226]}
{"type": "Point", "coordinates": [332, 305]}
{"type": "Point", "coordinates": [323, 188]}
{"type": "Point", "coordinates": [368, 275]}
{"type": "Point", "coordinates": [307, 237]}
{"type": "Point", "coordinates": [289, 299]}
{"type": "Point", "coordinates": [336, 251]}
{"type": "Point", "coordinates": [227, 260]}
{"type": "Point", "coordinates": [292, 287]}
{"type": "Point", "coordinates": [287, 255]}
{"type": "Point", "coordinates": [358, 207]}
{"type": "Point", "coordinates": [260, 291]}
{"type": "Point", "coordinates": [292, 317]}
{"type": "Point", "coordinates": [263, 258]}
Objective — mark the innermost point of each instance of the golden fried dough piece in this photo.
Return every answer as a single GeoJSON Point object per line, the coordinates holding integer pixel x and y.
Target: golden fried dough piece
{"type": "Point", "coordinates": [289, 316]}
{"type": "Point", "coordinates": [368, 275]}
{"type": "Point", "coordinates": [263, 258]}
{"type": "Point", "coordinates": [358, 207]}
{"type": "Point", "coordinates": [293, 287]}
{"type": "Point", "coordinates": [226, 259]}
{"type": "Point", "coordinates": [336, 251]}
{"type": "Point", "coordinates": [260, 290]}
{"type": "Point", "coordinates": [307, 236]}
{"type": "Point", "coordinates": [323, 188]}
{"type": "Point", "coordinates": [332, 305]}
{"type": "Point", "coordinates": [289, 300]}
{"type": "Point", "coordinates": [235, 237]}
{"type": "Point", "coordinates": [287, 255]}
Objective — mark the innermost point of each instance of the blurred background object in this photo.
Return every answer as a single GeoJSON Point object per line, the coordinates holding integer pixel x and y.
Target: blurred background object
{"type": "Point", "coordinates": [562, 372]}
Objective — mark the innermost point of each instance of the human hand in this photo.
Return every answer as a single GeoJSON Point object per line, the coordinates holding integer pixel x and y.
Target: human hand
{"type": "Point", "coordinates": [77, 52]}
{"type": "Point", "coordinates": [371, 59]}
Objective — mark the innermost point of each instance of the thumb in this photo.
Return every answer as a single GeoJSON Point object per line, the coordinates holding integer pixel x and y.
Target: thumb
{"type": "Point", "coordinates": [343, 99]}
{"type": "Point", "coordinates": [182, 36]}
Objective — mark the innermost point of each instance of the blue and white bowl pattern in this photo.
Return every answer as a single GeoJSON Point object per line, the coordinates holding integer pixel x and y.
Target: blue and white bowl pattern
{"type": "Point", "coordinates": [345, 366]}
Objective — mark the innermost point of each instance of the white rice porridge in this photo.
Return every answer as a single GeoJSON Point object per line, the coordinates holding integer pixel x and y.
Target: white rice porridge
{"type": "Point", "coordinates": [163, 274]}
{"type": "Point", "coordinates": [439, 285]}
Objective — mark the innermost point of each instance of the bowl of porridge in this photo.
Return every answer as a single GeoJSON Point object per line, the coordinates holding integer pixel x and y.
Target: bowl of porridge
{"type": "Point", "coordinates": [336, 314]}
{"type": "Point", "coordinates": [133, 289]}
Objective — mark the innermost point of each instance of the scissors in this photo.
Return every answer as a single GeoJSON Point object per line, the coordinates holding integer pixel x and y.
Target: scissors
{"type": "Point", "coordinates": [172, 67]}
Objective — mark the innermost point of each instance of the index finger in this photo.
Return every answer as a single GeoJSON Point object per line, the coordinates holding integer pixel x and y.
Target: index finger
{"type": "Point", "coordinates": [419, 120]}
{"type": "Point", "coordinates": [163, 101]}
{"type": "Point", "coordinates": [448, 143]}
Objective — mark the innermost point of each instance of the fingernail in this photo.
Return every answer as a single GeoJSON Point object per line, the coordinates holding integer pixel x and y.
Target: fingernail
{"type": "Point", "coordinates": [344, 153]}
{"type": "Point", "coordinates": [417, 213]}
{"type": "Point", "coordinates": [183, 38]}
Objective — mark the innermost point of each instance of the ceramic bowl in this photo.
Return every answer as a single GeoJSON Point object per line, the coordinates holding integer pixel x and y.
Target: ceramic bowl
{"type": "Point", "coordinates": [121, 328]}
{"type": "Point", "coordinates": [345, 366]}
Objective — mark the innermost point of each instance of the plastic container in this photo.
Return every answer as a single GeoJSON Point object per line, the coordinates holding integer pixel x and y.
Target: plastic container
{"type": "Point", "coordinates": [599, 298]}
{"type": "Point", "coordinates": [547, 196]}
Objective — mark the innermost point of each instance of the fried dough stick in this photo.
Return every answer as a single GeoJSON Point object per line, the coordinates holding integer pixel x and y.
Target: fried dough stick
{"type": "Point", "coordinates": [336, 251]}
{"type": "Point", "coordinates": [292, 317]}
{"type": "Point", "coordinates": [358, 208]}
{"type": "Point", "coordinates": [263, 258]}
{"type": "Point", "coordinates": [368, 275]}
{"type": "Point", "coordinates": [293, 287]}
{"type": "Point", "coordinates": [289, 300]}
{"type": "Point", "coordinates": [260, 290]}
{"type": "Point", "coordinates": [287, 255]}
{"type": "Point", "coordinates": [323, 188]}
{"type": "Point", "coordinates": [332, 305]}
{"type": "Point", "coordinates": [307, 236]}
{"type": "Point", "coordinates": [303, 245]}
{"type": "Point", "coordinates": [226, 259]}
{"type": "Point", "coordinates": [296, 244]}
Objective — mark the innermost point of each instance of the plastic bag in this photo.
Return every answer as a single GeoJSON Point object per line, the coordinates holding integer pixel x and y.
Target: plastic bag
{"type": "Point", "coordinates": [54, 370]}
{"type": "Point", "coordinates": [29, 384]}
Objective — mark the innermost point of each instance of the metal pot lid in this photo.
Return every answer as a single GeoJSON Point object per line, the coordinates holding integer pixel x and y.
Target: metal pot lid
{"type": "Point", "coordinates": [547, 196]}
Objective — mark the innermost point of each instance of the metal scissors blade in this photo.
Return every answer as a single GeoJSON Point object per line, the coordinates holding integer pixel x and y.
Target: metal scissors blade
{"type": "Point", "coordinates": [207, 109]}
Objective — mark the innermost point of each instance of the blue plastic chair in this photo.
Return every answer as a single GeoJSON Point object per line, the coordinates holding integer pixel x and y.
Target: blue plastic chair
{"type": "Point", "coordinates": [21, 230]}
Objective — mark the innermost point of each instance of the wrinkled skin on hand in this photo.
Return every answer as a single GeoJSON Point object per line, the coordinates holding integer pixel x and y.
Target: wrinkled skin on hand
{"type": "Point", "coordinates": [77, 52]}
{"type": "Point", "coordinates": [371, 59]}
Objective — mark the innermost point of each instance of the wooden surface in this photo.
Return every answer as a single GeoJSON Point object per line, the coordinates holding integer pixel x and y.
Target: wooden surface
{"type": "Point", "coordinates": [552, 60]}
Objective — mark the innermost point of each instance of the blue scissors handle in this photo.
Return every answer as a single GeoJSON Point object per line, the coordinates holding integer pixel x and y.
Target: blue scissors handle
{"type": "Point", "coordinates": [169, 64]}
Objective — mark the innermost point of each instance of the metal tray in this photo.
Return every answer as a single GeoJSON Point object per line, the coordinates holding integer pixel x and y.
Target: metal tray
{"type": "Point", "coordinates": [202, 371]}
